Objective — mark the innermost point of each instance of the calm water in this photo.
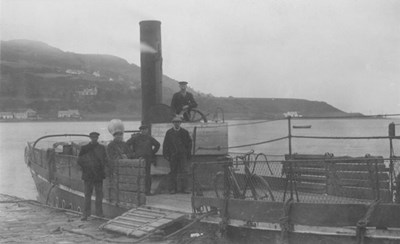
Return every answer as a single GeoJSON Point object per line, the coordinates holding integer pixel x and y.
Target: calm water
{"type": "Point", "coordinates": [15, 178]}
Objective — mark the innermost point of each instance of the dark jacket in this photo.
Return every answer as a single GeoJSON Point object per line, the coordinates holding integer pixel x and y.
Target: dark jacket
{"type": "Point", "coordinates": [177, 142]}
{"type": "Point", "coordinates": [142, 145]}
{"type": "Point", "coordinates": [93, 159]}
{"type": "Point", "coordinates": [178, 101]}
{"type": "Point", "coordinates": [115, 150]}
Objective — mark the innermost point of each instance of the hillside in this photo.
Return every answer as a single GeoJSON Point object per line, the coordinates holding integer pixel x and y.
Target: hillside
{"type": "Point", "coordinates": [46, 79]}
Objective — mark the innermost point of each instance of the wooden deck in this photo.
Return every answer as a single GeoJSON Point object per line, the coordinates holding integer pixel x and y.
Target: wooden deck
{"type": "Point", "coordinates": [28, 221]}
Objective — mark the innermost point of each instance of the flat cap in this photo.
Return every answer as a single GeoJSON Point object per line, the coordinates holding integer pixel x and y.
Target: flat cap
{"type": "Point", "coordinates": [94, 134]}
{"type": "Point", "coordinates": [183, 82]}
{"type": "Point", "coordinates": [142, 127]}
{"type": "Point", "coordinates": [177, 119]}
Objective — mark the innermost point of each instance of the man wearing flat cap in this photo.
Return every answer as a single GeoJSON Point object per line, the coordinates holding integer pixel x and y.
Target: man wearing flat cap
{"type": "Point", "coordinates": [145, 146]}
{"type": "Point", "coordinates": [183, 101]}
{"type": "Point", "coordinates": [177, 149]}
{"type": "Point", "coordinates": [93, 159]}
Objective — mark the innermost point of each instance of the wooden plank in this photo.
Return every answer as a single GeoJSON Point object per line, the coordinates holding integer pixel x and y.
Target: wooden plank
{"type": "Point", "coordinates": [312, 164]}
{"type": "Point", "coordinates": [119, 229]}
{"type": "Point", "coordinates": [135, 214]}
{"type": "Point", "coordinates": [131, 179]}
{"type": "Point", "coordinates": [149, 213]}
{"type": "Point", "coordinates": [306, 156]}
{"type": "Point", "coordinates": [131, 171]}
{"type": "Point", "coordinates": [134, 219]}
{"type": "Point", "coordinates": [359, 167]}
{"type": "Point", "coordinates": [311, 187]}
{"type": "Point", "coordinates": [362, 183]}
{"type": "Point", "coordinates": [362, 193]}
{"type": "Point", "coordinates": [308, 171]}
{"type": "Point", "coordinates": [387, 215]}
{"type": "Point", "coordinates": [137, 233]}
{"type": "Point", "coordinates": [125, 223]}
{"type": "Point", "coordinates": [137, 163]}
{"type": "Point", "coordinates": [131, 187]}
{"type": "Point", "coordinates": [311, 178]}
{"type": "Point", "coordinates": [360, 175]}
{"type": "Point", "coordinates": [330, 215]}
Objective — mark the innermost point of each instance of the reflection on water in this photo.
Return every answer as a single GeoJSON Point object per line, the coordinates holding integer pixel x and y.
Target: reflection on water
{"type": "Point", "coordinates": [15, 178]}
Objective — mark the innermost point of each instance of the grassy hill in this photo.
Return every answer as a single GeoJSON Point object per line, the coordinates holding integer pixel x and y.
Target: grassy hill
{"type": "Point", "coordinates": [47, 79]}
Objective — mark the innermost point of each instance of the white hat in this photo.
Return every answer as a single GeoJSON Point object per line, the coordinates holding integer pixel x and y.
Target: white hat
{"type": "Point", "coordinates": [115, 126]}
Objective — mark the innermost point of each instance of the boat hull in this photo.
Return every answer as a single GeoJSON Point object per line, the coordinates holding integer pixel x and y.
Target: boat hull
{"type": "Point", "coordinates": [60, 196]}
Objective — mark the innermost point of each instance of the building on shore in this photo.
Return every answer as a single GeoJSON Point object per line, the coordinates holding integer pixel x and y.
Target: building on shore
{"type": "Point", "coordinates": [19, 114]}
{"type": "Point", "coordinates": [293, 114]}
{"type": "Point", "coordinates": [70, 113]}
{"type": "Point", "coordinates": [6, 115]}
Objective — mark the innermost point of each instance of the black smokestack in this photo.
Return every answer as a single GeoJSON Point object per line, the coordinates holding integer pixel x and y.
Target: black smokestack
{"type": "Point", "coordinates": [151, 66]}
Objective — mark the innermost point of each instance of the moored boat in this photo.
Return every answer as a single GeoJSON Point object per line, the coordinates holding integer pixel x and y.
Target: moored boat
{"type": "Point", "coordinates": [301, 126]}
{"type": "Point", "coordinates": [299, 198]}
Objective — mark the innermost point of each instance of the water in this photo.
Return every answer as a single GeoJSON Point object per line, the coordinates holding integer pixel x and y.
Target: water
{"type": "Point", "coordinates": [15, 178]}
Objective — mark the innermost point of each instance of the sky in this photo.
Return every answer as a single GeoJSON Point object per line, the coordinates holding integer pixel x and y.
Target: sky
{"type": "Point", "coordinates": [343, 52]}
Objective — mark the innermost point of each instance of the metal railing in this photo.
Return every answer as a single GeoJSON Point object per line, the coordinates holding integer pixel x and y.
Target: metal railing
{"type": "Point", "coordinates": [309, 178]}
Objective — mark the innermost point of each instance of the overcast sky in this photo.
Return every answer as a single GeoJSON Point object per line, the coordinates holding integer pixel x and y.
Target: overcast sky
{"type": "Point", "coordinates": [344, 52]}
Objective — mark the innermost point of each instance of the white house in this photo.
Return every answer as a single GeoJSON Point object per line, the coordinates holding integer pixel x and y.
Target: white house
{"type": "Point", "coordinates": [70, 113]}
{"type": "Point", "coordinates": [74, 71]}
{"type": "Point", "coordinates": [292, 114]}
{"type": "Point", "coordinates": [6, 115]}
{"type": "Point", "coordinates": [88, 92]}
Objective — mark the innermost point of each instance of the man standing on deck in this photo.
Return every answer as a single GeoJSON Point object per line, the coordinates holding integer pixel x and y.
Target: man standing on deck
{"type": "Point", "coordinates": [144, 145]}
{"type": "Point", "coordinates": [92, 159]}
{"type": "Point", "coordinates": [183, 101]}
{"type": "Point", "coordinates": [177, 148]}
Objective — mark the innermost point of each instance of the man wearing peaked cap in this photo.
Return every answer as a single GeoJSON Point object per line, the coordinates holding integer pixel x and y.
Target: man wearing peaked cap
{"type": "Point", "coordinates": [93, 160]}
{"type": "Point", "coordinates": [177, 148]}
{"type": "Point", "coordinates": [176, 119]}
{"type": "Point", "coordinates": [94, 134]}
{"type": "Point", "coordinates": [145, 146]}
{"type": "Point", "coordinates": [183, 101]}
{"type": "Point", "coordinates": [143, 127]}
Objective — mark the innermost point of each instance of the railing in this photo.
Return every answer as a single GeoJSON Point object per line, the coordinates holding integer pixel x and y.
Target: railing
{"type": "Point", "coordinates": [311, 178]}
{"type": "Point", "coordinates": [304, 178]}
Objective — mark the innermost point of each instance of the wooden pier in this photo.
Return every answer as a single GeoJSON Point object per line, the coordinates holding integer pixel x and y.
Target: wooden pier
{"type": "Point", "coordinates": [28, 221]}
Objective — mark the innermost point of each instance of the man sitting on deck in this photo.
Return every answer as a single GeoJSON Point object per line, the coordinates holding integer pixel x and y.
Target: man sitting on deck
{"type": "Point", "coordinates": [183, 101]}
{"type": "Point", "coordinates": [92, 159]}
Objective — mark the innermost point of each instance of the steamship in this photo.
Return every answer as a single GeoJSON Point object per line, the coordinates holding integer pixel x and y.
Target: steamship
{"type": "Point", "coordinates": [352, 199]}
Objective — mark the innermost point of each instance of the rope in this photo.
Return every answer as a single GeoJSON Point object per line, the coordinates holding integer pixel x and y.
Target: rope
{"type": "Point", "coordinates": [255, 122]}
{"type": "Point", "coordinates": [362, 223]}
{"type": "Point", "coordinates": [346, 137]}
{"type": "Point", "coordinates": [246, 145]}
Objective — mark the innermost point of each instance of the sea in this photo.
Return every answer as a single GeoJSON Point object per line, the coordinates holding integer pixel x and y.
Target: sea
{"type": "Point", "coordinates": [15, 178]}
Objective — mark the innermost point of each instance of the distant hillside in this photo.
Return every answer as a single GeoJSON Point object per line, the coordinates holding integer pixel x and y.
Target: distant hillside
{"type": "Point", "coordinates": [47, 79]}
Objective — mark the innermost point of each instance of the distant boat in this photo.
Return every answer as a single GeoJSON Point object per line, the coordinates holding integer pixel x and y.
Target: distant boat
{"type": "Point", "coordinates": [301, 126]}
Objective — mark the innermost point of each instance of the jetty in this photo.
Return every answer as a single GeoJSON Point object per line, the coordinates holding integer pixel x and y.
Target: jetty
{"type": "Point", "coordinates": [29, 221]}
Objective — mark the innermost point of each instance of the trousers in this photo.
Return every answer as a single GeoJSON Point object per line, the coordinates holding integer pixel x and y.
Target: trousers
{"type": "Point", "coordinates": [178, 173]}
{"type": "Point", "coordinates": [98, 188]}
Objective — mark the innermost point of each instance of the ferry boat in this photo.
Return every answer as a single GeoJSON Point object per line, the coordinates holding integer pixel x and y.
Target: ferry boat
{"type": "Point", "coordinates": [299, 198]}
